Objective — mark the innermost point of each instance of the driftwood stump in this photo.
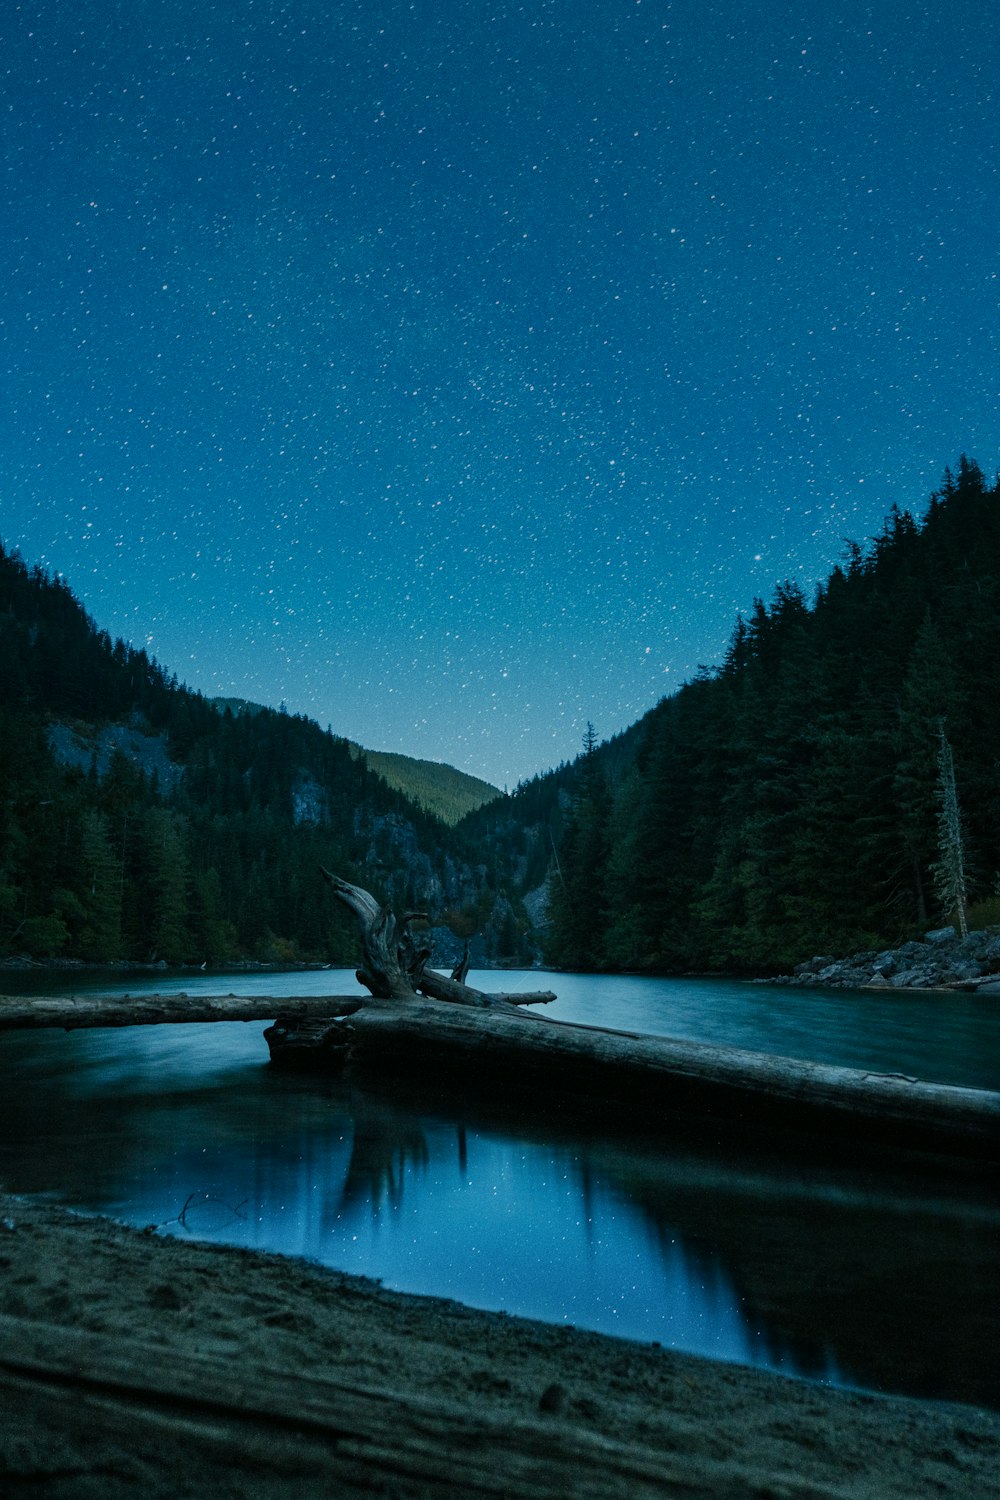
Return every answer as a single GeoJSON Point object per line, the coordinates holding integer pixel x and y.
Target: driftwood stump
{"type": "Point", "coordinates": [394, 961]}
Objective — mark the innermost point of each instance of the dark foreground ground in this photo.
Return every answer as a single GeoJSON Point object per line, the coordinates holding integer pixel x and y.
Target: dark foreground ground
{"type": "Point", "coordinates": [136, 1365]}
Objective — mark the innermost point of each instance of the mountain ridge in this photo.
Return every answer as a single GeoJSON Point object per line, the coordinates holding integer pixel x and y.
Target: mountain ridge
{"type": "Point", "coordinates": [436, 786]}
{"type": "Point", "coordinates": [139, 822]}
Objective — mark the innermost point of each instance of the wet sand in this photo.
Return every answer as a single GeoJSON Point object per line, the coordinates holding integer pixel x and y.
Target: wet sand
{"type": "Point", "coordinates": [135, 1364]}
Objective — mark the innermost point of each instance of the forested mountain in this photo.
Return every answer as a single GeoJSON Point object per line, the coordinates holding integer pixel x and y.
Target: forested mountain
{"type": "Point", "coordinates": [439, 789]}
{"type": "Point", "coordinates": [137, 820]}
{"type": "Point", "coordinates": [790, 802]}
{"type": "Point", "coordinates": [795, 800]}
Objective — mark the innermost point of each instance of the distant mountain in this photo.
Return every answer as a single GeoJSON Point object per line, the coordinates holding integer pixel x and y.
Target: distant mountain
{"type": "Point", "coordinates": [140, 821]}
{"type": "Point", "coordinates": [440, 789]}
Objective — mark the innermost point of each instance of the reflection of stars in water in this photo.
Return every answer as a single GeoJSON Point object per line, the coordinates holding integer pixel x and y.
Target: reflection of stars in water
{"type": "Point", "coordinates": [417, 369]}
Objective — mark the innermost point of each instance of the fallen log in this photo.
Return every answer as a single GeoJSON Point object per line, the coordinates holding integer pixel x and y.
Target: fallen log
{"type": "Point", "coordinates": [290, 1431]}
{"type": "Point", "coordinates": [72, 1012]}
{"type": "Point", "coordinates": [437, 987]}
{"type": "Point", "coordinates": [76, 1012]}
{"type": "Point", "coordinates": [485, 1038]}
{"type": "Point", "coordinates": [653, 1080]}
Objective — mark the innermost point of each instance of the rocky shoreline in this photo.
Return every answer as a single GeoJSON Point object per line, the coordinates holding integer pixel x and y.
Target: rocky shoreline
{"type": "Point", "coordinates": [22, 962]}
{"type": "Point", "coordinates": [941, 960]}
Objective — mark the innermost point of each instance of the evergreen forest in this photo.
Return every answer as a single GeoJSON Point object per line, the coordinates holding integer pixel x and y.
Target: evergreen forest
{"type": "Point", "coordinates": [141, 821]}
{"type": "Point", "coordinates": [791, 802]}
{"type": "Point", "coordinates": [833, 785]}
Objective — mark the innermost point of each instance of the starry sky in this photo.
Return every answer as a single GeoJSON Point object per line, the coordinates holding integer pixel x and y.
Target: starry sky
{"type": "Point", "coordinates": [455, 373]}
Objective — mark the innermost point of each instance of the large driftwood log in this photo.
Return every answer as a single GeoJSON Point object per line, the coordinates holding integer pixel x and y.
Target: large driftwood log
{"type": "Point", "coordinates": [656, 1079]}
{"type": "Point", "coordinates": [390, 958]}
{"type": "Point", "coordinates": [76, 1012]}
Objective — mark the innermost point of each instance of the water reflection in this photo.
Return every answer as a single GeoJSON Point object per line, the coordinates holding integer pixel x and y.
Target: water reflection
{"type": "Point", "coordinates": [713, 1243]}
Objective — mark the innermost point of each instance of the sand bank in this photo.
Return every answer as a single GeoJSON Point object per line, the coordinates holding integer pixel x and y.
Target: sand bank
{"type": "Point", "coordinates": [135, 1364]}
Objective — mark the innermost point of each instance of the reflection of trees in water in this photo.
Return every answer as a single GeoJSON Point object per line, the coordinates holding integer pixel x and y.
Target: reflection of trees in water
{"type": "Point", "coordinates": [387, 1144]}
{"type": "Point", "coordinates": [883, 1268]}
{"type": "Point", "coordinates": [888, 1271]}
{"type": "Point", "coordinates": [342, 1150]}
{"type": "Point", "coordinates": [892, 1279]}
{"type": "Point", "coordinates": [896, 1271]}
{"type": "Point", "coordinates": [657, 1193]}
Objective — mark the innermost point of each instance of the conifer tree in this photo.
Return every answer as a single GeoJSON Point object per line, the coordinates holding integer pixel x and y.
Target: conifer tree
{"type": "Point", "coordinates": [577, 891]}
{"type": "Point", "coordinates": [101, 890]}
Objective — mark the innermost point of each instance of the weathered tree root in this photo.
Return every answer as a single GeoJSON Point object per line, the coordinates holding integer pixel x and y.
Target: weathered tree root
{"type": "Point", "coordinates": [394, 962]}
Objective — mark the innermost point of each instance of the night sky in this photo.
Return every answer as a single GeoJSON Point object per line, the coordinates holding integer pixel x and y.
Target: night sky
{"type": "Point", "coordinates": [455, 371]}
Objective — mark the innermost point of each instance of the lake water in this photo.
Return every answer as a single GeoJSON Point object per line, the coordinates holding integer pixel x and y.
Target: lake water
{"type": "Point", "coordinates": [848, 1267]}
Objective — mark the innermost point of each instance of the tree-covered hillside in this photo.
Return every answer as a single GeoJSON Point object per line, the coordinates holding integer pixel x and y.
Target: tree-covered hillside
{"type": "Point", "coordinates": [833, 785]}
{"type": "Point", "coordinates": [790, 802]}
{"type": "Point", "coordinates": [439, 789]}
{"type": "Point", "coordinates": [139, 821]}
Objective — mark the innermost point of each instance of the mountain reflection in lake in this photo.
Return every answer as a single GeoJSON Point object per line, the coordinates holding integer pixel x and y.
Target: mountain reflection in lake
{"type": "Point", "coordinates": [710, 1244]}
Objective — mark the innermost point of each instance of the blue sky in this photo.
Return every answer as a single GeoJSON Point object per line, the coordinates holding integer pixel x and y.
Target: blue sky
{"type": "Point", "coordinates": [455, 374]}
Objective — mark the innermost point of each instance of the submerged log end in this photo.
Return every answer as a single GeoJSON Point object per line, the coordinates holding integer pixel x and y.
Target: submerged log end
{"type": "Point", "coordinates": [308, 1044]}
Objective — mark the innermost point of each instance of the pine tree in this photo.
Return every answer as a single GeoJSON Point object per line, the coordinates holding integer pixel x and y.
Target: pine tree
{"type": "Point", "coordinates": [578, 908]}
{"type": "Point", "coordinates": [100, 894]}
{"type": "Point", "coordinates": [164, 848]}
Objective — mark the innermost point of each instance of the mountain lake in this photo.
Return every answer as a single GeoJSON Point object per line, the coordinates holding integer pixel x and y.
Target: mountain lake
{"type": "Point", "coordinates": [836, 1263]}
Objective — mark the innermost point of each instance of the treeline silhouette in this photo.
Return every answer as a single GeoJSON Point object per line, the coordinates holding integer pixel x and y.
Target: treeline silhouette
{"type": "Point", "coordinates": [217, 860]}
{"type": "Point", "coordinates": [788, 802]}
{"type": "Point", "coordinates": [784, 804]}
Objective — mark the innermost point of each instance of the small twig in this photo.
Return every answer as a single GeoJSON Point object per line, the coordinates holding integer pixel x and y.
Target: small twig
{"type": "Point", "coordinates": [181, 1218]}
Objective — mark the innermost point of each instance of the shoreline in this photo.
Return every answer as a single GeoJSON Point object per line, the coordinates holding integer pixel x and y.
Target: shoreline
{"type": "Point", "coordinates": [141, 1362]}
{"type": "Point", "coordinates": [936, 966]}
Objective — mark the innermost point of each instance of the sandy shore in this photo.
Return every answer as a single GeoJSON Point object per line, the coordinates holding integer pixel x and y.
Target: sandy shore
{"type": "Point", "coordinates": [135, 1364]}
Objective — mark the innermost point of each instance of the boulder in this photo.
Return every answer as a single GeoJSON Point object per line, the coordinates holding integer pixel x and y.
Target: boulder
{"type": "Point", "coordinates": [959, 971]}
{"type": "Point", "coordinates": [914, 979]}
{"type": "Point", "coordinates": [814, 965]}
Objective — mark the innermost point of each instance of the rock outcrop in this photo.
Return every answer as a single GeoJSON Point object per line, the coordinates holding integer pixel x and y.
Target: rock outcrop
{"type": "Point", "coordinates": [941, 960]}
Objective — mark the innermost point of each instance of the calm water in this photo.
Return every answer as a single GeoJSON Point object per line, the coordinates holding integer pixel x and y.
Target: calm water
{"type": "Point", "coordinates": [852, 1269]}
